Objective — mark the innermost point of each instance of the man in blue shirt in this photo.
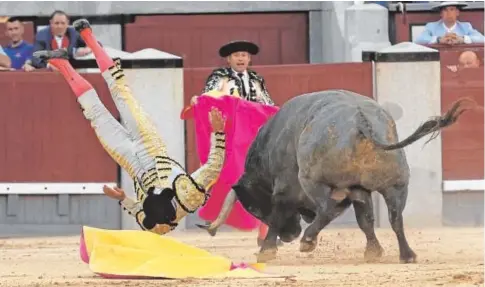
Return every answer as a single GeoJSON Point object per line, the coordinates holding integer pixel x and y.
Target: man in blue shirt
{"type": "Point", "coordinates": [19, 51]}
{"type": "Point", "coordinates": [449, 30]}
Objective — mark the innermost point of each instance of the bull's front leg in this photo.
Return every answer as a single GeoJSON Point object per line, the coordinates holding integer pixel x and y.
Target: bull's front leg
{"type": "Point", "coordinates": [327, 209]}
{"type": "Point", "coordinates": [269, 248]}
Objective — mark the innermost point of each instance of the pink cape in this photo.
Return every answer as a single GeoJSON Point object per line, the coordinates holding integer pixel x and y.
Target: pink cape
{"type": "Point", "coordinates": [243, 120]}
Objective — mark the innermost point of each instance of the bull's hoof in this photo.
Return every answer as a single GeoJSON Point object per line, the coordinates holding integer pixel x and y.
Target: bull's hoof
{"type": "Point", "coordinates": [212, 232]}
{"type": "Point", "coordinates": [373, 253]}
{"type": "Point", "coordinates": [308, 246]}
{"type": "Point", "coordinates": [409, 257]}
{"type": "Point", "coordinates": [266, 255]}
{"type": "Point", "coordinates": [278, 242]}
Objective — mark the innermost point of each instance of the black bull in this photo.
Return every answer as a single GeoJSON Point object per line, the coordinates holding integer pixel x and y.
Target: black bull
{"type": "Point", "coordinates": [318, 155]}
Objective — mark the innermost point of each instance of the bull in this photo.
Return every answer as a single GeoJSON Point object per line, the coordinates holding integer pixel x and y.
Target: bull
{"type": "Point", "coordinates": [321, 153]}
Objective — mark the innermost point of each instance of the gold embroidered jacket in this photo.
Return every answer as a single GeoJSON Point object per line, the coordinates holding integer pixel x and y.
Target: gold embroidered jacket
{"type": "Point", "coordinates": [191, 191]}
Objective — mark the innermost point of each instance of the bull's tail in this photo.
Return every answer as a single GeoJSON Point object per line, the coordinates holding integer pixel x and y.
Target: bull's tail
{"type": "Point", "coordinates": [434, 125]}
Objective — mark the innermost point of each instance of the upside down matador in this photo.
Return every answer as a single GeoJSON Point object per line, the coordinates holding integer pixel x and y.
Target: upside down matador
{"type": "Point", "coordinates": [165, 193]}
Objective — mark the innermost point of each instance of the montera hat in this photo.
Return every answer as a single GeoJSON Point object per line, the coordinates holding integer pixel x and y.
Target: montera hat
{"type": "Point", "coordinates": [238, 46]}
{"type": "Point", "coordinates": [444, 4]}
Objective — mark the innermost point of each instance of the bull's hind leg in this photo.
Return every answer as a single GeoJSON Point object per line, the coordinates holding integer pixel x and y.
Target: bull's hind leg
{"type": "Point", "coordinates": [327, 209]}
{"type": "Point", "coordinates": [364, 214]}
{"type": "Point", "coordinates": [395, 198]}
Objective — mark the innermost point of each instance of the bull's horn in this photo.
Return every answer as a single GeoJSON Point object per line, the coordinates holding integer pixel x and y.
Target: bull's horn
{"type": "Point", "coordinates": [221, 218]}
{"type": "Point", "coordinates": [212, 232]}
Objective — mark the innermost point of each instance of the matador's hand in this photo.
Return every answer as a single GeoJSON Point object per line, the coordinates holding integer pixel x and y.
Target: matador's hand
{"type": "Point", "coordinates": [115, 193]}
{"type": "Point", "coordinates": [217, 120]}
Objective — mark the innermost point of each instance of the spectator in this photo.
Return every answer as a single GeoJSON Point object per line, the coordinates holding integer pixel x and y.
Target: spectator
{"type": "Point", "coordinates": [449, 30]}
{"type": "Point", "coordinates": [19, 51]}
{"type": "Point", "coordinates": [4, 60]}
{"type": "Point", "coordinates": [466, 60]}
{"type": "Point", "coordinates": [469, 59]}
{"type": "Point", "coordinates": [59, 35]}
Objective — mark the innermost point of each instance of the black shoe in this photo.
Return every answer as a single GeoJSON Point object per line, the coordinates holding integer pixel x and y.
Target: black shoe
{"type": "Point", "coordinates": [81, 24]}
{"type": "Point", "coordinates": [55, 54]}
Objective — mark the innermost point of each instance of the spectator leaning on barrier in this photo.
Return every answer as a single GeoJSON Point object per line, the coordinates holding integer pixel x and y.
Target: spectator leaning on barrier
{"type": "Point", "coordinates": [57, 36]}
{"type": "Point", "coordinates": [448, 30]}
{"type": "Point", "coordinates": [466, 60]}
{"type": "Point", "coordinates": [18, 50]}
{"type": "Point", "coordinates": [4, 60]}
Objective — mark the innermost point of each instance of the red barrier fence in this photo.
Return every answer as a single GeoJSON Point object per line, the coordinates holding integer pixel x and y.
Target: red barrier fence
{"type": "Point", "coordinates": [463, 142]}
{"type": "Point", "coordinates": [282, 38]}
{"type": "Point", "coordinates": [45, 137]}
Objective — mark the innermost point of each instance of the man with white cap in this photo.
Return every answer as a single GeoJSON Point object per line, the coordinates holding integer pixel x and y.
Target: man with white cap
{"type": "Point", "coordinates": [448, 30]}
{"type": "Point", "coordinates": [237, 79]}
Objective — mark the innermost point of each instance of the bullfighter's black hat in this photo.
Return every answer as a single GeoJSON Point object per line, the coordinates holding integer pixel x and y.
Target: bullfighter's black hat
{"type": "Point", "coordinates": [238, 46]}
{"type": "Point", "coordinates": [444, 4]}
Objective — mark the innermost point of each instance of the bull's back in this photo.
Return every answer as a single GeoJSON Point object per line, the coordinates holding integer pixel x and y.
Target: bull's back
{"type": "Point", "coordinates": [333, 146]}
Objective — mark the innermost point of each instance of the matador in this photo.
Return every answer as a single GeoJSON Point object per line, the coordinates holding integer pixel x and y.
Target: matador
{"type": "Point", "coordinates": [165, 192]}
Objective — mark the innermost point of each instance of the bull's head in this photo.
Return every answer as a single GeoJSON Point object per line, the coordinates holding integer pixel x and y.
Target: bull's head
{"type": "Point", "coordinates": [257, 199]}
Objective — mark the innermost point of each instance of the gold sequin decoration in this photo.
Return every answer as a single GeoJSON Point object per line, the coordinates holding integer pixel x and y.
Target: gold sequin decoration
{"type": "Point", "coordinates": [188, 194]}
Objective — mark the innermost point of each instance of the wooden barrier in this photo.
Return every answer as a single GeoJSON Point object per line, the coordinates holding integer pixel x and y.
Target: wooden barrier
{"type": "Point", "coordinates": [284, 82]}
{"type": "Point", "coordinates": [282, 38]}
{"type": "Point", "coordinates": [463, 142]}
{"type": "Point", "coordinates": [45, 137]}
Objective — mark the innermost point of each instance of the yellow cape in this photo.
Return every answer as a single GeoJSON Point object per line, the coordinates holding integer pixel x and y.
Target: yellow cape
{"type": "Point", "coordinates": [132, 253]}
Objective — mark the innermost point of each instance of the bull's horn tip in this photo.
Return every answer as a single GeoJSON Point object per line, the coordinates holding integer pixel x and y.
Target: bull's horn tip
{"type": "Point", "coordinates": [206, 227]}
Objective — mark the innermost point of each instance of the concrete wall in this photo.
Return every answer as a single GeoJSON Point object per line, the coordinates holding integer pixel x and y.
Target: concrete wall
{"type": "Point", "coordinates": [64, 214]}
{"type": "Point", "coordinates": [395, 70]}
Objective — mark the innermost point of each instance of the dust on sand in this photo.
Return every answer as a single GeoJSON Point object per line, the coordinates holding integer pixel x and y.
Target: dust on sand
{"type": "Point", "coordinates": [446, 257]}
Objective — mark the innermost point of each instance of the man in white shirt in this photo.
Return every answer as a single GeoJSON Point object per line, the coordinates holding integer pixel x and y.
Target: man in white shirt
{"type": "Point", "coordinates": [237, 79]}
{"type": "Point", "coordinates": [448, 30]}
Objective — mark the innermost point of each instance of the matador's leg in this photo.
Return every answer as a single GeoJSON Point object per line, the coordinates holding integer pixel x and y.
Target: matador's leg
{"type": "Point", "coordinates": [136, 119]}
{"type": "Point", "coordinates": [113, 137]}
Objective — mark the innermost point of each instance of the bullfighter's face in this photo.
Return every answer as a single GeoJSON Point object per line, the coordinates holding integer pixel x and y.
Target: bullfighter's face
{"type": "Point", "coordinates": [239, 61]}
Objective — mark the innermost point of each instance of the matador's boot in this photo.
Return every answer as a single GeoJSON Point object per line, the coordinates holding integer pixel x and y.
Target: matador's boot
{"type": "Point", "coordinates": [59, 59]}
{"type": "Point", "coordinates": [81, 24]}
{"type": "Point", "coordinates": [54, 54]}
{"type": "Point", "coordinates": [83, 27]}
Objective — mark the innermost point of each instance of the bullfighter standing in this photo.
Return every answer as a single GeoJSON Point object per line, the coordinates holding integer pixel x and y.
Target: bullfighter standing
{"type": "Point", "coordinates": [236, 79]}
{"type": "Point", "coordinates": [165, 192]}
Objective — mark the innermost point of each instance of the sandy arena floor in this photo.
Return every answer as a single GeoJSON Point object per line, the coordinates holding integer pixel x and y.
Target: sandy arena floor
{"type": "Point", "coordinates": [447, 257]}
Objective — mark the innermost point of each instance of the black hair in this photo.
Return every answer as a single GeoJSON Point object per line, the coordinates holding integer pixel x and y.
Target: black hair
{"type": "Point", "coordinates": [58, 12]}
{"type": "Point", "coordinates": [13, 19]}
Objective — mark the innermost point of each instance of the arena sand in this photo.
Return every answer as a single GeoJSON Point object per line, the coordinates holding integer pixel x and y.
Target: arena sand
{"type": "Point", "coordinates": [446, 257]}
